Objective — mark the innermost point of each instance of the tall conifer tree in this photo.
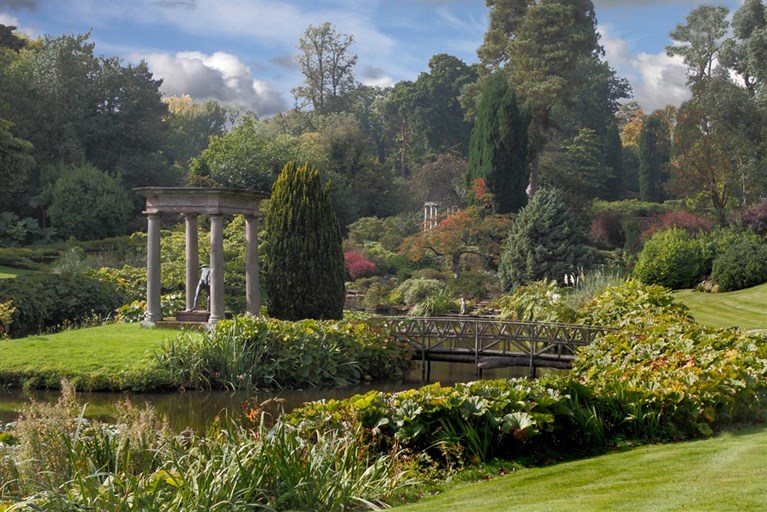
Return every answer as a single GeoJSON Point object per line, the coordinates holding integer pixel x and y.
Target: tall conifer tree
{"type": "Point", "coordinates": [545, 242]}
{"type": "Point", "coordinates": [654, 156]}
{"type": "Point", "coordinates": [304, 264]}
{"type": "Point", "coordinates": [499, 144]}
{"type": "Point", "coordinates": [614, 160]}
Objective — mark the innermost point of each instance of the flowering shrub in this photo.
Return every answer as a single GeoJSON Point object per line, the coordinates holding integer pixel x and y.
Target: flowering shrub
{"type": "Point", "coordinates": [539, 301]}
{"type": "Point", "coordinates": [357, 266]}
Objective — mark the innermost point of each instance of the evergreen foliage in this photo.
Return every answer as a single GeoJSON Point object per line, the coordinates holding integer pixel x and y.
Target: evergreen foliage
{"type": "Point", "coordinates": [671, 258]}
{"type": "Point", "coordinates": [544, 243]}
{"type": "Point", "coordinates": [304, 262]}
{"type": "Point", "coordinates": [654, 142]}
{"type": "Point", "coordinates": [499, 145]}
{"type": "Point", "coordinates": [614, 160]}
{"type": "Point", "coordinates": [741, 265]}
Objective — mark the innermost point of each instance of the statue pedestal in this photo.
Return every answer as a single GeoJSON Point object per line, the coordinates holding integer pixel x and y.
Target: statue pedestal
{"type": "Point", "coordinates": [192, 316]}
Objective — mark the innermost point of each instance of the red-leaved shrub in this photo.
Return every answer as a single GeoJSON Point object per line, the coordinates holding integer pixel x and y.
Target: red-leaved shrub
{"type": "Point", "coordinates": [756, 218]}
{"type": "Point", "coordinates": [357, 265]}
{"type": "Point", "coordinates": [607, 231]}
{"type": "Point", "coordinates": [677, 219]}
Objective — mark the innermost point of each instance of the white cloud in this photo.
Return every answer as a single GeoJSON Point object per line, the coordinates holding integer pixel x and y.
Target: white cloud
{"type": "Point", "coordinates": [657, 79]}
{"type": "Point", "coordinates": [663, 81]}
{"type": "Point", "coordinates": [8, 21]}
{"type": "Point", "coordinates": [221, 76]}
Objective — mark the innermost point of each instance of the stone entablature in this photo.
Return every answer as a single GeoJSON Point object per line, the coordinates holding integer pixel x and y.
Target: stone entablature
{"type": "Point", "coordinates": [203, 201]}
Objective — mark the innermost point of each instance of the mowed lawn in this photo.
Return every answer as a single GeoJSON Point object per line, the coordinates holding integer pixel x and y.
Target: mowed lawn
{"type": "Point", "coordinates": [9, 272]}
{"type": "Point", "coordinates": [727, 473]}
{"type": "Point", "coordinates": [746, 309]}
{"type": "Point", "coordinates": [104, 350]}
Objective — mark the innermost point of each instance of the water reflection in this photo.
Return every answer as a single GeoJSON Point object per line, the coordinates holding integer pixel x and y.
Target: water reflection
{"type": "Point", "coordinates": [197, 409]}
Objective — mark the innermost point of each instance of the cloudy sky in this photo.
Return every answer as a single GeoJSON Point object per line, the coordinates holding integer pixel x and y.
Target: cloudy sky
{"type": "Point", "coordinates": [242, 51]}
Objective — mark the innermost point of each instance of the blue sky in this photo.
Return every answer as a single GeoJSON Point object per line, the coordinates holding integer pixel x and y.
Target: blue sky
{"type": "Point", "coordinates": [242, 51]}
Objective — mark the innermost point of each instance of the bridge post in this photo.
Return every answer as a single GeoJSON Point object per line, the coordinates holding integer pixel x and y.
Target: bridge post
{"type": "Point", "coordinates": [477, 370]}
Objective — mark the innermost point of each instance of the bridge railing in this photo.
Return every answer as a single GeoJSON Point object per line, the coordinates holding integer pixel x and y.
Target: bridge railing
{"type": "Point", "coordinates": [490, 342]}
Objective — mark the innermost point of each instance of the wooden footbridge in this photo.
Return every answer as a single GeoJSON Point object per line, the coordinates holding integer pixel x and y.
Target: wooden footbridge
{"type": "Point", "coordinates": [489, 343]}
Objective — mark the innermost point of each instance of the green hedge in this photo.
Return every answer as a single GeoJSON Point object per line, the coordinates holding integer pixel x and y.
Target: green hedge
{"type": "Point", "coordinates": [51, 301]}
{"type": "Point", "coordinates": [741, 265]}
{"type": "Point", "coordinates": [671, 258]}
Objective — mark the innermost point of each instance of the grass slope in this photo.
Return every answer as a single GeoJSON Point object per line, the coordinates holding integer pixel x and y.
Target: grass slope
{"type": "Point", "coordinates": [109, 357]}
{"type": "Point", "coordinates": [746, 309]}
{"type": "Point", "coordinates": [9, 272]}
{"type": "Point", "coordinates": [721, 474]}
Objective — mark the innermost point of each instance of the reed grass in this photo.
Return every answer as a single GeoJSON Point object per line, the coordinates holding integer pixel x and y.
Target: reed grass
{"type": "Point", "coordinates": [64, 462]}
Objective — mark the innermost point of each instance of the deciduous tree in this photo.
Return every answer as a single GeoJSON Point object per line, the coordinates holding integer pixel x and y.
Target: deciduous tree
{"type": "Point", "coordinates": [466, 232]}
{"type": "Point", "coordinates": [327, 64]}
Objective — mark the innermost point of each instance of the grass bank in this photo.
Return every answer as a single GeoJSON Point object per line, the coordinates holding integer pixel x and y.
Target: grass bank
{"type": "Point", "coordinates": [112, 357]}
{"type": "Point", "coordinates": [9, 272]}
{"type": "Point", "coordinates": [743, 308]}
{"type": "Point", "coordinates": [720, 474]}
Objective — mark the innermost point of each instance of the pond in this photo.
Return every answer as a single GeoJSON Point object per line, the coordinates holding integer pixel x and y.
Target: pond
{"type": "Point", "coordinates": [197, 409]}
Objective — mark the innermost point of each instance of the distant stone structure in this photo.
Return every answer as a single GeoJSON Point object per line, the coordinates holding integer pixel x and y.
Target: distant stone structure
{"type": "Point", "coordinates": [433, 213]}
{"type": "Point", "coordinates": [190, 203]}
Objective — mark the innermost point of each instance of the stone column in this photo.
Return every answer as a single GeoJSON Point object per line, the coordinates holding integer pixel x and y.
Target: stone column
{"type": "Point", "coordinates": [252, 282]}
{"type": "Point", "coordinates": [216, 268]}
{"type": "Point", "coordinates": [192, 258]}
{"type": "Point", "coordinates": [153, 307]}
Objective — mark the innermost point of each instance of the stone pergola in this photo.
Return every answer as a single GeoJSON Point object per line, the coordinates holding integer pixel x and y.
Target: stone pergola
{"type": "Point", "coordinates": [190, 203]}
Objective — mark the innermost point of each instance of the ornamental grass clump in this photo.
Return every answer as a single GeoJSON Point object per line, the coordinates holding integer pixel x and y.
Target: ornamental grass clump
{"type": "Point", "coordinates": [250, 353]}
{"type": "Point", "coordinates": [138, 465]}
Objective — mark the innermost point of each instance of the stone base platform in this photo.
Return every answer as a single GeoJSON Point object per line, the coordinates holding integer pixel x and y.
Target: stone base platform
{"type": "Point", "coordinates": [181, 326]}
{"type": "Point", "coordinates": [192, 316]}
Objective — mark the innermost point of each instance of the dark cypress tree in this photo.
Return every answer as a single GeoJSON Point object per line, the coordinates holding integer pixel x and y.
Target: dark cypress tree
{"type": "Point", "coordinates": [499, 145]}
{"type": "Point", "coordinates": [654, 156]}
{"type": "Point", "coordinates": [304, 263]}
{"type": "Point", "coordinates": [614, 160]}
{"type": "Point", "coordinates": [545, 242]}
